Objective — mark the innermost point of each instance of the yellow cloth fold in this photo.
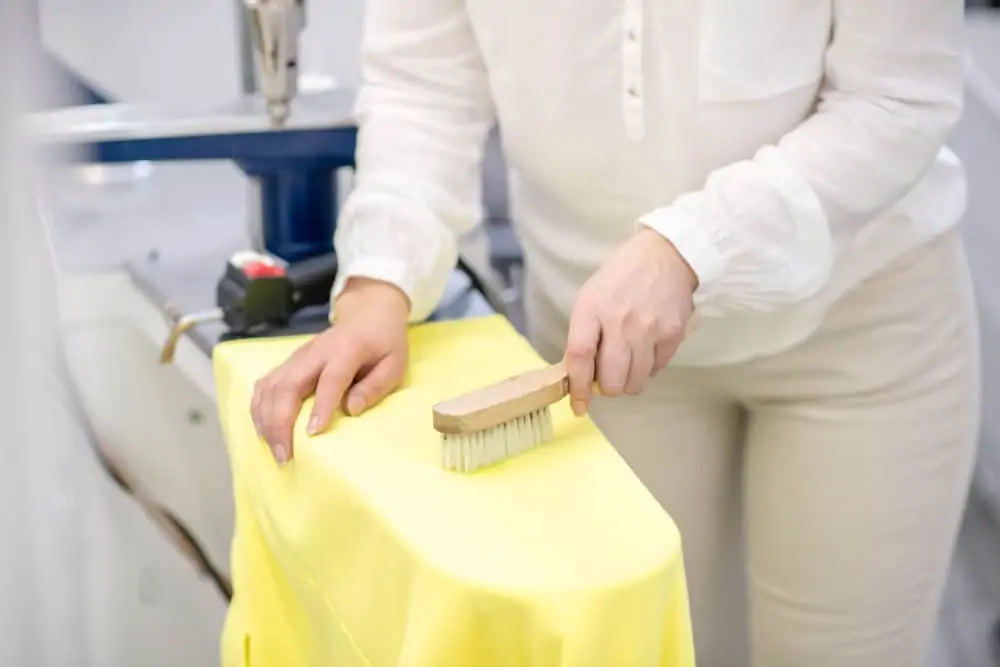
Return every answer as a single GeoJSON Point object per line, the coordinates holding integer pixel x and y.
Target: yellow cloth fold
{"type": "Point", "coordinates": [363, 552]}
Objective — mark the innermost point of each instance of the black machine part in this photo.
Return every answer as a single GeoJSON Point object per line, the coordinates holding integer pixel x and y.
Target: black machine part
{"type": "Point", "coordinates": [260, 303]}
{"type": "Point", "coordinates": [254, 303]}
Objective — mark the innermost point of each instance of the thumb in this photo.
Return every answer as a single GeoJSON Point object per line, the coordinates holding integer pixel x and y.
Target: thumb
{"type": "Point", "coordinates": [385, 376]}
{"type": "Point", "coordinates": [581, 357]}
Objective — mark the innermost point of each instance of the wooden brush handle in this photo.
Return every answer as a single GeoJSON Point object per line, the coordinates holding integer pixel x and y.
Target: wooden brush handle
{"type": "Point", "coordinates": [507, 400]}
{"type": "Point", "coordinates": [502, 402]}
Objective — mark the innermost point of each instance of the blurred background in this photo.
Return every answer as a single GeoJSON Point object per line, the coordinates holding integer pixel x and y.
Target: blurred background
{"type": "Point", "coordinates": [138, 242]}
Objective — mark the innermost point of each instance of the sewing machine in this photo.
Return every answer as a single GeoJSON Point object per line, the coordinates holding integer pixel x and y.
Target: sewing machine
{"type": "Point", "coordinates": [292, 162]}
{"type": "Point", "coordinates": [148, 260]}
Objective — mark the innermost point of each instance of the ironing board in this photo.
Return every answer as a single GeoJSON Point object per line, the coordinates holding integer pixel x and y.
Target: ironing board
{"type": "Point", "coordinates": [363, 552]}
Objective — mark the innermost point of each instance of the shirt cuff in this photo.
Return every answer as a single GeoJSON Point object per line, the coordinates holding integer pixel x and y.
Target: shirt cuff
{"type": "Point", "coordinates": [692, 238]}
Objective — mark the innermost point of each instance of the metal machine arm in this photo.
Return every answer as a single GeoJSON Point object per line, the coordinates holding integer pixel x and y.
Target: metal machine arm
{"type": "Point", "coordinates": [277, 26]}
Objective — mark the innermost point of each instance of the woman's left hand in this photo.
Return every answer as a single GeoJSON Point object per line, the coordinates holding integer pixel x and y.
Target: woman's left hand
{"type": "Point", "coordinates": [628, 319]}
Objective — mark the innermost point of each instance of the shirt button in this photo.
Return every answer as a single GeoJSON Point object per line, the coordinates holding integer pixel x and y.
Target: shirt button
{"type": "Point", "coordinates": [633, 92]}
{"type": "Point", "coordinates": [632, 35]}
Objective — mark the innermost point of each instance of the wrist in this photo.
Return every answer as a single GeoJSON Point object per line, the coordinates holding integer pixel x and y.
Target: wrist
{"type": "Point", "coordinates": [364, 293]}
{"type": "Point", "coordinates": [672, 256]}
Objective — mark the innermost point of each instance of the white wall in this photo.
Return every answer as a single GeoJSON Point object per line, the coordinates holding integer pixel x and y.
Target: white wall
{"type": "Point", "coordinates": [977, 141]}
{"type": "Point", "coordinates": [167, 50]}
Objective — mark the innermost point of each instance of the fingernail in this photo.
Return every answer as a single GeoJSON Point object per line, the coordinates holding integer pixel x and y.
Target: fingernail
{"type": "Point", "coordinates": [355, 404]}
{"type": "Point", "coordinates": [579, 408]}
{"type": "Point", "coordinates": [313, 426]}
{"type": "Point", "coordinates": [281, 454]}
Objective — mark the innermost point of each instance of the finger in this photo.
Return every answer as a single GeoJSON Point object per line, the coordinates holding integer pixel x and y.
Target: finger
{"type": "Point", "coordinates": [336, 377]}
{"type": "Point", "coordinates": [281, 410]}
{"type": "Point", "coordinates": [374, 385]}
{"type": "Point", "coordinates": [282, 401]}
{"type": "Point", "coordinates": [665, 351]}
{"type": "Point", "coordinates": [640, 368]}
{"type": "Point", "coordinates": [581, 358]}
{"type": "Point", "coordinates": [614, 357]}
{"type": "Point", "coordinates": [255, 405]}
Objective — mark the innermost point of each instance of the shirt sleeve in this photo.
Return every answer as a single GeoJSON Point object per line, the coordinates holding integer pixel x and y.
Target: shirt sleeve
{"type": "Point", "coordinates": [423, 112]}
{"type": "Point", "coordinates": [764, 233]}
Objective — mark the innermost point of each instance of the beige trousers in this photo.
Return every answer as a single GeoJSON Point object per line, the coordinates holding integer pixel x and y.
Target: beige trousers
{"type": "Point", "coordinates": [819, 491]}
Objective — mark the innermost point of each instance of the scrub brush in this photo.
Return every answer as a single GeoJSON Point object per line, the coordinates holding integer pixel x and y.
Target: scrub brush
{"type": "Point", "coordinates": [497, 422]}
{"type": "Point", "coordinates": [494, 423]}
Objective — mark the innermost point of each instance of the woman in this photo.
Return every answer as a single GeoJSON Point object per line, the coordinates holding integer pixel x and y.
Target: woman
{"type": "Point", "coordinates": [777, 168]}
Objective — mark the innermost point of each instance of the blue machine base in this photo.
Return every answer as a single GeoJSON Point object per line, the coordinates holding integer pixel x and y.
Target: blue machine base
{"type": "Point", "coordinates": [298, 205]}
{"type": "Point", "coordinates": [296, 169]}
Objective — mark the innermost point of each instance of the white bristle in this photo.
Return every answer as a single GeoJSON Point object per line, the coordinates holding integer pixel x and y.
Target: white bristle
{"type": "Point", "coordinates": [470, 451]}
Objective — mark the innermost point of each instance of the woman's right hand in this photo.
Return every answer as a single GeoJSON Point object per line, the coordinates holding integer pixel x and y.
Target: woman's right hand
{"type": "Point", "coordinates": [355, 364]}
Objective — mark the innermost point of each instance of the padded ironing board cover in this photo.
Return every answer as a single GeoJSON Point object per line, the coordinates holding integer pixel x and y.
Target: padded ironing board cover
{"type": "Point", "coordinates": [363, 552]}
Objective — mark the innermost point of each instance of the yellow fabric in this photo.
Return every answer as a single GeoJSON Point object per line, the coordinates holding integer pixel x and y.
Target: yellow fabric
{"type": "Point", "coordinates": [362, 552]}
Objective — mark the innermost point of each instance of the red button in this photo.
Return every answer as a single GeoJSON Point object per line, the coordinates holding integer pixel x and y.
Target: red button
{"type": "Point", "coordinates": [263, 270]}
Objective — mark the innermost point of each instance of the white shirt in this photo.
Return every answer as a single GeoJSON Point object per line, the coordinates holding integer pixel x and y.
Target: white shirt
{"type": "Point", "coordinates": [789, 149]}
